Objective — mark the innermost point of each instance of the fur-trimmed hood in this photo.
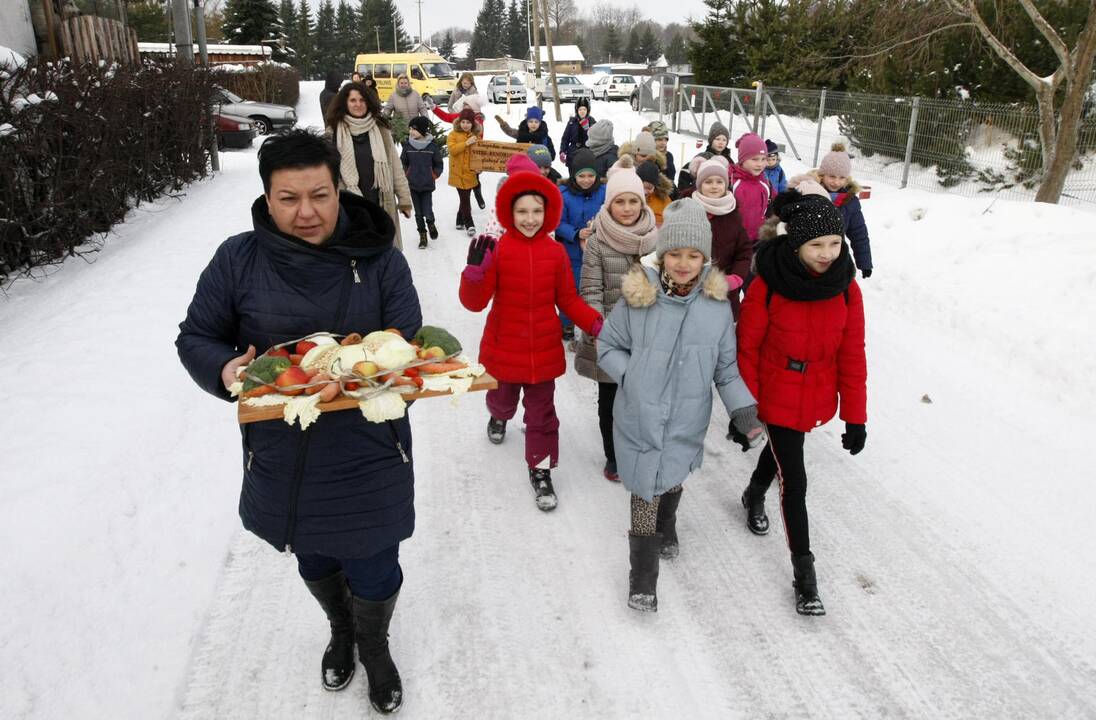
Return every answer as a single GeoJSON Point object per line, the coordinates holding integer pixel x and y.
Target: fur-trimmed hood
{"type": "Point", "coordinates": [853, 186]}
{"type": "Point", "coordinates": [641, 286]}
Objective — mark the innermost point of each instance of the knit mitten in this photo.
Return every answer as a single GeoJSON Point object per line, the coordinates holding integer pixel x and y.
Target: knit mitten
{"type": "Point", "coordinates": [746, 422]}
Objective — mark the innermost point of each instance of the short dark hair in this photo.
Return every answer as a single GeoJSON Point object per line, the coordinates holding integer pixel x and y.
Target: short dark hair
{"type": "Point", "coordinates": [295, 149]}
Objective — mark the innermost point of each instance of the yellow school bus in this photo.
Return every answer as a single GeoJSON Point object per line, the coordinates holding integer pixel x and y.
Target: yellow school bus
{"type": "Point", "coordinates": [430, 74]}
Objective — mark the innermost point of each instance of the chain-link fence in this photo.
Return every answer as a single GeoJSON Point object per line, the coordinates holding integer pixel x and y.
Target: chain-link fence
{"type": "Point", "coordinates": [958, 146]}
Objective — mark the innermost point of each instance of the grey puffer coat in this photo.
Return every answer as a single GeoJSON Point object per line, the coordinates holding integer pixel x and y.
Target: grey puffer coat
{"type": "Point", "coordinates": [665, 352]}
{"type": "Point", "coordinates": [406, 106]}
{"type": "Point", "coordinates": [603, 271]}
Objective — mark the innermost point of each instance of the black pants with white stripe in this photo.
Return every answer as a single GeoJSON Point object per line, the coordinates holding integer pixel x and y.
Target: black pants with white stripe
{"type": "Point", "coordinates": [783, 458]}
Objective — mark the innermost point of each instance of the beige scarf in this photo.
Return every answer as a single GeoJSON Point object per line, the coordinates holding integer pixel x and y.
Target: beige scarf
{"type": "Point", "coordinates": [715, 206]}
{"type": "Point", "coordinates": [638, 239]}
{"type": "Point", "coordinates": [348, 168]}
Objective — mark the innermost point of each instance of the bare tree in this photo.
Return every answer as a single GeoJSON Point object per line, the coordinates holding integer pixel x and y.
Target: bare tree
{"type": "Point", "coordinates": [561, 13]}
{"type": "Point", "coordinates": [1059, 125]}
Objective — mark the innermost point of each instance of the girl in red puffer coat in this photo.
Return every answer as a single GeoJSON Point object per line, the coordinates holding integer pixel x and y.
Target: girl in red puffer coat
{"type": "Point", "coordinates": [525, 276]}
{"type": "Point", "coordinates": [801, 352]}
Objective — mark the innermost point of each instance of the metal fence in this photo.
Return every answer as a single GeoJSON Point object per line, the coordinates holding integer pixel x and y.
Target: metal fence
{"type": "Point", "coordinates": [942, 145]}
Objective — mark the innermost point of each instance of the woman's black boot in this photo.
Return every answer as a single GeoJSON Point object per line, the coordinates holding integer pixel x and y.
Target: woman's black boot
{"type": "Point", "coordinates": [337, 665]}
{"type": "Point", "coordinates": [667, 523]}
{"type": "Point", "coordinates": [807, 601]}
{"type": "Point", "coordinates": [754, 502]}
{"type": "Point", "coordinates": [643, 578]}
{"type": "Point", "coordinates": [371, 619]}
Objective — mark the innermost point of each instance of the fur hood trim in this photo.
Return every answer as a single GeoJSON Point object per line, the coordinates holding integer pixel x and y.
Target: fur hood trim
{"type": "Point", "coordinates": [629, 148]}
{"type": "Point", "coordinates": [640, 290]}
{"type": "Point", "coordinates": [853, 186]}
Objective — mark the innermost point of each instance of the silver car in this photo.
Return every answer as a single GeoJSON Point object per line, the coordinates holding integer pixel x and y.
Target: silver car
{"type": "Point", "coordinates": [497, 92]}
{"type": "Point", "coordinates": [266, 116]}
{"type": "Point", "coordinates": [570, 88]}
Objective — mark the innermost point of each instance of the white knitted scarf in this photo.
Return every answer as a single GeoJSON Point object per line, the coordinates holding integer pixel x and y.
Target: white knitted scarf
{"type": "Point", "coordinates": [715, 206]}
{"type": "Point", "coordinates": [637, 239]}
{"type": "Point", "coordinates": [348, 168]}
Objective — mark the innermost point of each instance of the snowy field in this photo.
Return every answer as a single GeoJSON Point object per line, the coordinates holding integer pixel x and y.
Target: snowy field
{"type": "Point", "coordinates": [954, 554]}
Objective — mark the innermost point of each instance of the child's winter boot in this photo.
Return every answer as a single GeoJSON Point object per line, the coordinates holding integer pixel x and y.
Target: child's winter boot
{"type": "Point", "coordinates": [807, 601]}
{"type": "Point", "coordinates": [337, 666]}
{"type": "Point", "coordinates": [541, 480]}
{"type": "Point", "coordinates": [643, 578]}
{"type": "Point", "coordinates": [667, 523]}
{"type": "Point", "coordinates": [753, 499]}
{"type": "Point", "coordinates": [422, 239]}
{"type": "Point", "coordinates": [432, 228]}
{"type": "Point", "coordinates": [496, 431]}
{"type": "Point", "coordinates": [372, 619]}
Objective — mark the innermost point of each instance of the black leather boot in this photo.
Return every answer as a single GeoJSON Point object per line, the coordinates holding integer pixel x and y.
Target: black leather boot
{"type": "Point", "coordinates": [807, 601]}
{"type": "Point", "coordinates": [643, 578]}
{"type": "Point", "coordinates": [754, 502]}
{"type": "Point", "coordinates": [371, 620]}
{"type": "Point", "coordinates": [667, 523]}
{"type": "Point", "coordinates": [337, 665]}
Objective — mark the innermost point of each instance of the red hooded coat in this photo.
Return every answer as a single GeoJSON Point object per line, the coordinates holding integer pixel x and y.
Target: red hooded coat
{"type": "Point", "coordinates": [798, 357]}
{"type": "Point", "coordinates": [528, 278]}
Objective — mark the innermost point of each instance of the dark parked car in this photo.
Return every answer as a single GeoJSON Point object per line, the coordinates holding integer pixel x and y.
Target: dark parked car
{"type": "Point", "coordinates": [234, 131]}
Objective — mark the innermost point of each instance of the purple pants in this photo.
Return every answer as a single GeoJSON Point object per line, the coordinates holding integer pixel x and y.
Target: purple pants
{"type": "Point", "coordinates": [541, 423]}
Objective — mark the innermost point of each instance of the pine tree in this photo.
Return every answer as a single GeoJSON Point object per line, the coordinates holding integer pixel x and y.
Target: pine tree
{"type": "Point", "coordinates": [302, 39]}
{"type": "Point", "coordinates": [517, 30]}
{"type": "Point", "coordinates": [649, 48]}
{"type": "Point", "coordinates": [377, 17]}
{"type": "Point", "coordinates": [676, 53]}
{"type": "Point", "coordinates": [634, 47]}
{"type": "Point", "coordinates": [250, 22]}
{"type": "Point", "coordinates": [715, 54]}
{"type": "Point", "coordinates": [486, 35]}
{"type": "Point", "coordinates": [446, 49]}
{"type": "Point", "coordinates": [610, 44]}
{"type": "Point", "coordinates": [147, 18]}
{"type": "Point", "coordinates": [323, 39]}
{"type": "Point", "coordinates": [287, 17]}
{"type": "Point", "coordinates": [346, 37]}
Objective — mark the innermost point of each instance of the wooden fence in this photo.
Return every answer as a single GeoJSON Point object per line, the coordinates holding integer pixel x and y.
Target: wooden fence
{"type": "Point", "coordinates": [91, 38]}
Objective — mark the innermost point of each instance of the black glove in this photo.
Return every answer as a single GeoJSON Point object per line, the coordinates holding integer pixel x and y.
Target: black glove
{"type": "Point", "coordinates": [478, 249]}
{"type": "Point", "coordinates": [735, 436]}
{"type": "Point", "coordinates": [866, 272]}
{"type": "Point", "coordinates": [854, 437]}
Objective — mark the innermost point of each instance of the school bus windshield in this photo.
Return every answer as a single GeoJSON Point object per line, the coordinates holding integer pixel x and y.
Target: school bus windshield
{"type": "Point", "coordinates": [439, 70]}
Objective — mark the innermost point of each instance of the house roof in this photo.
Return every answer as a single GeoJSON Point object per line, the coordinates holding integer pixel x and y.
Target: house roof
{"type": "Point", "coordinates": [155, 47]}
{"type": "Point", "coordinates": [560, 53]}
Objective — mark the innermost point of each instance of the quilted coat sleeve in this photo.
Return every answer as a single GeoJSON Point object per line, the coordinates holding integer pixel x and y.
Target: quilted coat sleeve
{"type": "Point", "coordinates": [439, 162]}
{"type": "Point", "coordinates": [474, 295]}
{"type": "Point", "coordinates": [400, 300]}
{"type": "Point", "coordinates": [566, 230]}
{"type": "Point", "coordinates": [852, 363]}
{"type": "Point", "coordinates": [448, 117]}
{"type": "Point", "coordinates": [753, 324]}
{"type": "Point", "coordinates": [857, 230]}
{"type": "Point", "coordinates": [567, 298]}
{"type": "Point", "coordinates": [728, 382]}
{"type": "Point", "coordinates": [592, 281]}
{"type": "Point", "coordinates": [614, 345]}
{"type": "Point", "coordinates": [207, 337]}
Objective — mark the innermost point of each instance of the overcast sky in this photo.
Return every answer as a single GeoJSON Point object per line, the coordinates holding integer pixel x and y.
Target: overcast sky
{"type": "Point", "coordinates": [440, 14]}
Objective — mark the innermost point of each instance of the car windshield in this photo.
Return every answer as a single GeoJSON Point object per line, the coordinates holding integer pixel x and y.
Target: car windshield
{"type": "Point", "coordinates": [439, 70]}
{"type": "Point", "coordinates": [566, 80]}
{"type": "Point", "coordinates": [231, 96]}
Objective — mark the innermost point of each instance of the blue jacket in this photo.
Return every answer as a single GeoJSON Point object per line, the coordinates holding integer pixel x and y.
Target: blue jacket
{"type": "Point", "coordinates": [344, 487]}
{"type": "Point", "coordinates": [579, 208]}
{"type": "Point", "coordinates": [665, 352]}
{"type": "Point", "coordinates": [856, 230]}
{"type": "Point", "coordinates": [422, 162]}
{"type": "Point", "coordinates": [777, 179]}
{"type": "Point", "coordinates": [574, 135]}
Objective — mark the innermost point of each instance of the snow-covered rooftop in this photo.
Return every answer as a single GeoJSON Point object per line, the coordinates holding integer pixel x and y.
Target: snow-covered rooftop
{"type": "Point", "coordinates": [560, 53]}
{"type": "Point", "coordinates": [155, 47]}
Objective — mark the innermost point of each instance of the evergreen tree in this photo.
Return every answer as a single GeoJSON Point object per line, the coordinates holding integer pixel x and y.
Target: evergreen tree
{"type": "Point", "coordinates": [377, 19]}
{"type": "Point", "coordinates": [323, 39]}
{"type": "Point", "coordinates": [634, 47]}
{"type": "Point", "coordinates": [302, 39]}
{"type": "Point", "coordinates": [610, 44]}
{"type": "Point", "coordinates": [716, 54]}
{"type": "Point", "coordinates": [287, 18]}
{"type": "Point", "coordinates": [486, 36]}
{"type": "Point", "coordinates": [649, 48]}
{"type": "Point", "coordinates": [446, 49]}
{"type": "Point", "coordinates": [148, 19]}
{"type": "Point", "coordinates": [346, 37]}
{"type": "Point", "coordinates": [250, 22]}
{"type": "Point", "coordinates": [517, 30]}
{"type": "Point", "coordinates": [677, 52]}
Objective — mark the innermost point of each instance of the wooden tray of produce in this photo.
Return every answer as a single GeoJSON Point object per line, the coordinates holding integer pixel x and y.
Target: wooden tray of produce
{"type": "Point", "coordinates": [250, 414]}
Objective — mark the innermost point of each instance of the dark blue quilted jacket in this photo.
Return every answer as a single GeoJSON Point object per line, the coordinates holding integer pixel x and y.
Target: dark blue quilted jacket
{"type": "Point", "coordinates": [344, 487]}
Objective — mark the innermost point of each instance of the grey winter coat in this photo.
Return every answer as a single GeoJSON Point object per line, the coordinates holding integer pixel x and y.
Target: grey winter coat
{"type": "Point", "coordinates": [665, 352]}
{"type": "Point", "coordinates": [406, 106]}
{"type": "Point", "coordinates": [603, 271]}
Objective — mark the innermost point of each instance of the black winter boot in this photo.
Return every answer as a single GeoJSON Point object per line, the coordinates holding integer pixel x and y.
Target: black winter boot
{"type": "Point", "coordinates": [422, 239]}
{"type": "Point", "coordinates": [433, 229]}
{"type": "Point", "coordinates": [496, 431]}
{"type": "Point", "coordinates": [643, 578]}
{"type": "Point", "coordinates": [806, 586]}
{"type": "Point", "coordinates": [667, 523]}
{"type": "Point", "coordinates": [371, 619]}
{"type": "Point", "coordinates": [337, 666]}
{"type": "Point", "coordinates": [756, 519]}
{"type": "Point", "coordinates": [478, 192]}
{"type": "Point", "coordinates": [545, 494]}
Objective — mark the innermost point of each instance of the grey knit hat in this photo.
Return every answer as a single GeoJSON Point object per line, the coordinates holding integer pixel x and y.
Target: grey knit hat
{"type": "Point", "coordinates": [644, 144]}
{"type": "Point", "coordinates": [684, 225]}
{"type": "Point", "coordinates": [718, 129]}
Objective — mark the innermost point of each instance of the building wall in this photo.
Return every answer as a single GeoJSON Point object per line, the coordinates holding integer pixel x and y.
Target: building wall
{"type": "Point", "coordinates": [16, 30]}
{"type": "Point", "coordinates": [568, 68]}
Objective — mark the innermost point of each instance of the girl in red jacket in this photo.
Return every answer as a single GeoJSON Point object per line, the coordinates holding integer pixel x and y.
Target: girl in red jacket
{"type": "Point", "coordinates": [528, 274]}
{"type": "Point", "coordinates": [800, 351]}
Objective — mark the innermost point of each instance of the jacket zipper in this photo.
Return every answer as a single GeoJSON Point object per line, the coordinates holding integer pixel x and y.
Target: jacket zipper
{"type": "Point", "coordinates": [247, 446]}
{"type": "Point", "coordinates": [295, 492]}
{"type": "Point", "coordinates": [354, 269]}
{"type": "Point", "coordinates": [396, 438]}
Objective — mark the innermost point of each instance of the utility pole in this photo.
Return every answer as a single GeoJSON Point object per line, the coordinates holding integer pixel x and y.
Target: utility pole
{"type": "Point", "coordinates": [184, 46]}
{"type": "Point", "coordinates": [421, 39]}
{"type": "Point", "coordinates": [377, 30]}
{"type": "Point", "coordinates": [551, 57]}
{"type": "Point", "coordinates": [203, 55]}
{"type": "Point", "coordinates": [534, 6]}
{"type": "Point", "coordinates": [395, 40]}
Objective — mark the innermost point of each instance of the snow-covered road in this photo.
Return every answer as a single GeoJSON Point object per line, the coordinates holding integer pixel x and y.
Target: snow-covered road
{"type": "Point", "coordinates": [953, 554]}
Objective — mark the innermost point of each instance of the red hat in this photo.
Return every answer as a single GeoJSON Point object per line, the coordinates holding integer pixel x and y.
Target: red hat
{"type": "Point", "coordinates": [467, 114]}
{"type": "Point", "coordinates": [524, 182]}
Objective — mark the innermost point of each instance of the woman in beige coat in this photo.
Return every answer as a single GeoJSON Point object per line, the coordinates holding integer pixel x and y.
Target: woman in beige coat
{"type": "Point", "coordinates": [370, 165]}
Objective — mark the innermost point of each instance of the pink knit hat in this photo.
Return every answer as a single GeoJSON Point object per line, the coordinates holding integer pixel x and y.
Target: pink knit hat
{"type": "Point", "coordinates": [712, 167]}
{"type": "Point", "coordinates": [836, 162]}
{"type": "Point", "coordinates": [519, 162]}
{"type": "Point", "coordinates": [750, 145]}
{"type": "Point", "coordinates": [622, 180]}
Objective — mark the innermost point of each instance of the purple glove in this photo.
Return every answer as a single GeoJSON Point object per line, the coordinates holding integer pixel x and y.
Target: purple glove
{"type": "Point", "coordinates": [481, 253]}
{"type": "Point", "coordinates": [597, 326]}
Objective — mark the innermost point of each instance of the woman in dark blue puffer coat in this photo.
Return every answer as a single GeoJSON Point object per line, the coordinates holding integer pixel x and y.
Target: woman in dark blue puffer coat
{"type": "Point", "coordinates": [340, 495]}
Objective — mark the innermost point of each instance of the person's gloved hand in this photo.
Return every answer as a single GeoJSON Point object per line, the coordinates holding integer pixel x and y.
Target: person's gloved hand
{"type": "Point", "coordinates": [854, 437]}
{"type": "Point", "coordinates": [745, 428]}
{"type": "Point", "coordinates": [481, 253]}
{"type": "Point", "coordinates": [866, 272]}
